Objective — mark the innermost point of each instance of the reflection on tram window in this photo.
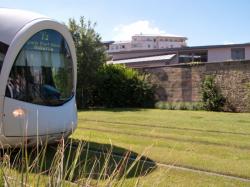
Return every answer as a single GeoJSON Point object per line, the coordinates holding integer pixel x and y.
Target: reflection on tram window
{"type": "Point", "coordinates": [43, 71]}
{"type": "Point", "coordinates": [1, 60]}
{"type": "Point", "coordinates": [3, 51]}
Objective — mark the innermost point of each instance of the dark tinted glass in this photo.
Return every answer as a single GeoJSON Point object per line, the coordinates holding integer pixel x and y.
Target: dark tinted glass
{"type": "Point", "coordinates": [3, 51]}
{"type": "Point", "coordinates": [238, 54]}
{"type": "Point", "coordinates": [1, 60]}
{"type": "Point", "coordinates": [43, 71]}
{"type": "Point", "coordinates": [187, 57]}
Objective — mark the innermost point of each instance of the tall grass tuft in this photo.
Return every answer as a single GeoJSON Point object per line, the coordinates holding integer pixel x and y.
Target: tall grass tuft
{"type": "Point", "coordinates": [70, 163]}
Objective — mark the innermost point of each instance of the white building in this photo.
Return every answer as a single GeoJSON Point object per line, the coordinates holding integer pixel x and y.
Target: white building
{"type": "Point", "coordinates": [148, 42]}
{"type": "Point", "coordinates": [170, 56]}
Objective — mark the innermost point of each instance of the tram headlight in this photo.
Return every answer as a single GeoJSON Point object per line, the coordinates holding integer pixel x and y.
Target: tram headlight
{"type": "Point", "coordinates": [18, 112]}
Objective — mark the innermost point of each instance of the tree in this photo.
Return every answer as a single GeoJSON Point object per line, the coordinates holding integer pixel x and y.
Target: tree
{"type": "Point", "coordinates": [212, 98]}
{"type": "Point", "coordinates": [90, 54]}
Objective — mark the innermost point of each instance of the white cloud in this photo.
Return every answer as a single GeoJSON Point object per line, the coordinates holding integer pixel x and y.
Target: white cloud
{"type": "Point", "coordinates": [228, 43]}
{"type": "Point", "coordinates": [124, 32]}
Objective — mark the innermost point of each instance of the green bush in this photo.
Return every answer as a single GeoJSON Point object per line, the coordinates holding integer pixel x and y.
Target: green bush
{"type": "Point", "coordinates": [170, 106]}
{"type": "Point", "coordinates": [197, 106]}
{"type": "Point", "coordinates": [179, 105]}
{"type": "Point", "coordinates": [119, 86]}
{"type": "Point", "coordinates": [212, 98]}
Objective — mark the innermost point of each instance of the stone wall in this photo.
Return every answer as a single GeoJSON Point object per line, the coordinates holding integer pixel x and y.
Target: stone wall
{"type": "Point", "coordinates": [183, 82]}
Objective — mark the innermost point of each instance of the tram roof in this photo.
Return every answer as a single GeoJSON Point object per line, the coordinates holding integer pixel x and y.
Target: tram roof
{"type": "Point", "coordinates": [13, 20]}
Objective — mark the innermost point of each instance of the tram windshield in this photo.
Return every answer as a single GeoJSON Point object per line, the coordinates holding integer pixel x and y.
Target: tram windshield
{"type": "Point", "coordinates": [43, 71]}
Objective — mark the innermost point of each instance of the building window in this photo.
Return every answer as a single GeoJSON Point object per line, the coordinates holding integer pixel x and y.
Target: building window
{"type": "Point", "coordinates": [149, 46]}
{"type": "Point", "coordinates": [187, 57]}
{"type": "Point", "coordinates": [200, 56]}
{"type": "Point", "coordinates": [238, 53]}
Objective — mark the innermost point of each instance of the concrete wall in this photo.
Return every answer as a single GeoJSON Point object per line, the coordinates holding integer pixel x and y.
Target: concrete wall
{"type": "Point", "coordinates": [247, 52]}
{"type": "Point", "coordinates": [183, 82]}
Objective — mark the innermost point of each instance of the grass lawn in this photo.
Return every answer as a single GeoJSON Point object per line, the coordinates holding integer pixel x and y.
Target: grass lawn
{"type": "Point", "coordinates": [216, 142]}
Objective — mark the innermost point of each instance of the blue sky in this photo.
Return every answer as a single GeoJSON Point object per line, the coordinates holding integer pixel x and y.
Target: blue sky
{"type": "Point", "coordinates": [204, 22]}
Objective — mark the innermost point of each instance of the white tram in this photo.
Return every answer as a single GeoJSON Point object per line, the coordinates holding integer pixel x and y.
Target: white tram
{"type": "Point", "coordinates": [37, 79]}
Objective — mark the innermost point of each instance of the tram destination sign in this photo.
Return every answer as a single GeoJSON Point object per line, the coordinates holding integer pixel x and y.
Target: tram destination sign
{"type": "Point", "coordinates": [45, 41]}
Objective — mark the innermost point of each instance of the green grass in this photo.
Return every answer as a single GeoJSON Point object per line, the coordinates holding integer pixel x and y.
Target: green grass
{"type": "Point", "coordinates": [216, 142]}
{"type": "Point", "coordinates": [123, 148]}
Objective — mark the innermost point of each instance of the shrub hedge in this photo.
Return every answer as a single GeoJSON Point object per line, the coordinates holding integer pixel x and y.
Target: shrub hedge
{"type": "Point", "coordinates": [179, 105]}
{"type": "Point", "coordinates": [120, 86]}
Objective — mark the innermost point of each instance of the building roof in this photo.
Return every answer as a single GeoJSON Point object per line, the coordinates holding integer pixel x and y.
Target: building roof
{"type": "Point", "coordinates": [107, 42]}
{"type": "Point", "coordinates": [13, 20]}
{"type": "Point", "coordinates": [161, 35]}
{"type": "Point", "coordinates": [143, 59]}
{"type": "Point", "coordinates": [121, 42]}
